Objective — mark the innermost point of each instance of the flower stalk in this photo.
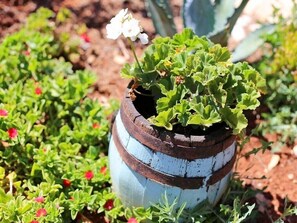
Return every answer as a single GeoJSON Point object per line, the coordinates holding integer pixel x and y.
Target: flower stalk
{"type": "Point", "coordinates": [134, 54]}
{"type": "Point", "coordinates": [124, 24]}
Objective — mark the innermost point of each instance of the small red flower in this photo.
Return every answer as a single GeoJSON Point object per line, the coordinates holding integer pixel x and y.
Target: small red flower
{"type": "Point", "coordinates": [108, 205]}
{"type": "Point", "coordinates": [85, 37]}
{"type": "Point", "coordinates": [34, 221]}
{"type": "Point", "coordinates": [3, 112]}
{"type": "Point", "coordinates": [103, 170]}
{"type": "Point", "coordinates": [132, 220]}
{"type": "Point", "coordinates": [12, 133]}
{"type": "Point", "coordinates": [39, 199]}
{"type": "Point", "coordinates": [27, 52]}
{"type": "Point", "coordinates": [96, 125]}
{"type": "Point", "coordinates": [66, 183]}
{"type": "Point", "coordinates": [89, 174]}
{"type": "Point", "coordinates": [41, 212]}
{"type": "Point", "coordinates": [38, 91]}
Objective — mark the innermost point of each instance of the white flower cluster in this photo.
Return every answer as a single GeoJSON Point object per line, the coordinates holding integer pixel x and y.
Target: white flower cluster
{"type": "Point", "coordinates": [124, 23]}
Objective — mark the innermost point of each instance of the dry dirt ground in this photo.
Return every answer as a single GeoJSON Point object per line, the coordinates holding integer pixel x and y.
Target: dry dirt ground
{"type": "Point", "coordinates": [275, 174]}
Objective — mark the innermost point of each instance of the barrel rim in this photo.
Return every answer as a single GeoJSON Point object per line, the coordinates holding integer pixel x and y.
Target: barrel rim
{"type": "Point", "coordinates": [171, 143]}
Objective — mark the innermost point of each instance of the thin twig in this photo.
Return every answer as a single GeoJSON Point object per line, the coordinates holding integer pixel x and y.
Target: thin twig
{"type": "Point", "coordinates": [144, 94]}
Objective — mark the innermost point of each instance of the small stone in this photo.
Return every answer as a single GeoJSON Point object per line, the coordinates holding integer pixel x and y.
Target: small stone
{"type": "Point", "coordinates": [291, 176]}
{"type": "Point", "coordinates": [295, 150]}
{"type": "Point", "coordinates": [120, 59]}
{"type": "Point", "coordinates": [91, 59]}
{"type": "Point", "coordinates": [273, 162]}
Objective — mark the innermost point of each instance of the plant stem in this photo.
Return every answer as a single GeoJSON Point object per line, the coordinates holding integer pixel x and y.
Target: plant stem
{"type": "Point", "coordinates": [213, 101]}
{"type": "Point", "coordinates": [134, 54]}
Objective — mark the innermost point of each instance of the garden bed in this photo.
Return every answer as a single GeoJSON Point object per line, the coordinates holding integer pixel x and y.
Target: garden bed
{"type": "Point", "coordinates": [106, 58]}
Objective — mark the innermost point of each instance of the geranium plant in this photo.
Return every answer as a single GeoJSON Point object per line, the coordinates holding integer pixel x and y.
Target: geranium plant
{"type": "Point", "coordinates": [192, 81]}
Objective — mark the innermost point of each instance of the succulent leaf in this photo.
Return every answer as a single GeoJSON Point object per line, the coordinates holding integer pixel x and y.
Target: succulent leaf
{"type": "Point", "coordinates": [215, 20]}
{"type": "Point", "coordinates": [223, 11]}
{"type": "Point", "coordinates": [199, 16]}
{"type": "Point", "coordinates": [251, 43]}
{"type": "Point", "coordinates": [232, 20]}
{"type": "Point", "coordinates": [162, 16]}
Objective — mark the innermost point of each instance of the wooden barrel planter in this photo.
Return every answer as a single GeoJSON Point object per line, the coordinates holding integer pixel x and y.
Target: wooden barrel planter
{"type": "Point", "coordinates": [146, 162]}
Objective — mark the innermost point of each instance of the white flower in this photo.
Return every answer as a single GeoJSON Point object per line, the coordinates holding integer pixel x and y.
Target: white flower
{"type": "Point", "coordinates": [114, 30]}
{"type": "Point", "coordinates": [115, 27]}
{"type": "Point", "coordinates": [124, 23]}
{"type": "Point", "coordinates": [131, 28]}
{"type": "Point", "coordinates": [143, 37]}
{"type": "Point", "coordinates": [120, 17]}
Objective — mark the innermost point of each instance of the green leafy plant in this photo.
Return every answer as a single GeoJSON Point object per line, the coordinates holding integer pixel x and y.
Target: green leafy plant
{"type": "Point", "coordinates": [194, 83]}
{"type": "Point", "coordinates": [279, 67]}
{"type": "Point", "coordinates": [53, 138]}
{"type": "Point", "coordinates": [235, 207]}
{"type": "Point", "coordinates": [214, 19]}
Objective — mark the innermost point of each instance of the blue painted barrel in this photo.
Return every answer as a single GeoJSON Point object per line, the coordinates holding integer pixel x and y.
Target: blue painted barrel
{"type": "Point", "coordinates": [146, 162]}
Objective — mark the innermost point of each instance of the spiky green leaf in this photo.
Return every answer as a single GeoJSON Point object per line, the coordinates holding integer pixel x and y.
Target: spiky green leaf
{"type": "Point", "coordinates": [162, 16]}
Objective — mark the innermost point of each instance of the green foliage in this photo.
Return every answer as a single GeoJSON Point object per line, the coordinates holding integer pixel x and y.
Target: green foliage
{"type": "Point", "coordinates": [279, 67]}
{"type": "Point", "coordinates": [252, 42]}
{"type": "Point", "coordinates": [235, 207]}
{"type": "Point", "coordinates": [59, 135]}
{"type": "Point", "coordinates": [162, 16]}
{"type": "Point", "coordinates": [214, 19]}
{"type": "Point", "coordinates": [289, 210]}
{"type": "Point", "coordinates": [195, 84]}
{"type": "Point", "coordinates": [55, 168]}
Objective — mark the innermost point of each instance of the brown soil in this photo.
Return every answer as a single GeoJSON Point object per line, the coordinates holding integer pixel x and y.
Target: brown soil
{"type": "Point", "coordinates": [106, 58]}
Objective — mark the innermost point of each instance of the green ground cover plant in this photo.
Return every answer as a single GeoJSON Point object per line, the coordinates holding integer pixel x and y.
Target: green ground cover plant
{"type": "Point", "coordinates": [280, 68]}
{"type": "Point", "coordinates": [54, 139]}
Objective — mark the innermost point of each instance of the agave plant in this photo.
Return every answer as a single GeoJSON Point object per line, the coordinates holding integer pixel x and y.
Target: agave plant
{"type": "Point", "coordinates": [212, 18]}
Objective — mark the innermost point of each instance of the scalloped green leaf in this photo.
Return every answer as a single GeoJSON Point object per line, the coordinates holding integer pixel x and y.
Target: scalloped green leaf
{"type": "Point", "coordinates": [248, 101]}
{"type": "Point", "coordinates": [182, 111]}
{"type": "Point", "coordinates": [208, 74]}
{"type": "Point", "coordinates": [203, 115]}
{"type": "Point", "coordinates": [126, 71]}
{"type": "Point", "coordinates": [171, 98]}
{"type": "Point", "coordinates": [163, 119]}
{"type": "Point", "coordinates": [255, 77]}
{"type": "Point", "coordinates": [221, 54]}
{"type": "Point", "coordinates": [235, 119]}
